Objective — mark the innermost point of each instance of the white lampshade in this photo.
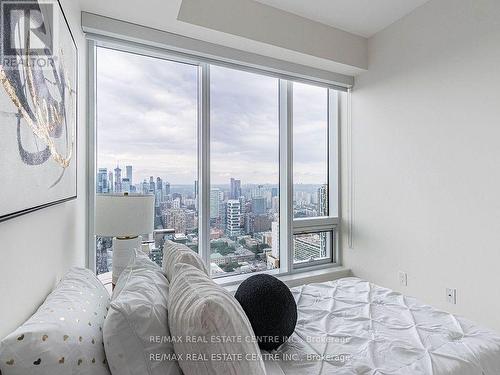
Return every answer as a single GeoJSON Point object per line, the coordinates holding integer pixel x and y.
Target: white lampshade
{"type": "Point", "coordinates": [118, 215]}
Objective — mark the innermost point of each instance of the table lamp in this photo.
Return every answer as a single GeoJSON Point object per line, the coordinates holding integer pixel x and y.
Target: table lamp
{"type": "Point", "coordinates": [125, 217]}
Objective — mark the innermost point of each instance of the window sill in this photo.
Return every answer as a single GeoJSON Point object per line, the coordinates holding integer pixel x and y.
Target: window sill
{"type": "Point", "coordinates": [299, 277]}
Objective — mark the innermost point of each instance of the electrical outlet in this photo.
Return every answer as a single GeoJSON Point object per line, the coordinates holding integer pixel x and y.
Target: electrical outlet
{"type": "Point", "coordinates": [451, 295]}
{"type": "Point", "coordinates": [403, 278]}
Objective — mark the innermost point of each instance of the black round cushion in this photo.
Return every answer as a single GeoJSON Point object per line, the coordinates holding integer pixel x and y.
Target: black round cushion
{"type": "Point", "coordinates": [270, 307]}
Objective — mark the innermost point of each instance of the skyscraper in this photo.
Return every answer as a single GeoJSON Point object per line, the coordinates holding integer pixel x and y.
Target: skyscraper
{"type": "Point", "coordinates": [235, 189]}
{"type": "Point", "coordinates": [102, 181]}
{"type": "Point", "coordinates": [111, 185]}
{"type": "Point", "coordinates": [273, 256]}
{"type": "Point", "coordinates": [323, 200]}
{"type": "Point", "coordinates": [159, 190]}
{"type": "Point", "coordinates": [309, 246]}
{"type": "Point", "coordinates": [233, 217]}
{"type": "Point", "coordinates": [167, 188]}
{"type": "Point", "coordinates": [275, 229]}
{"type": "Point", "coordinates": [214, 203]}
{"type": "Point", "coordinates": [125, 185]}
{"type": "Point", "coordinates": [259, 205]}
{"type": "Point", "coordinates": [151, 184]}
{"type": "Point", "coordinates": [145, 187]}
{"type": "Point", "coordinates": [129, 174]}
{"type": "Point", "coordinates": [118, 179]}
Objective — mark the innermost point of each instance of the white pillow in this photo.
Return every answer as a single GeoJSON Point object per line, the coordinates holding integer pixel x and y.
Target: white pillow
{"type": "Point", "coordinates": [64, 336]}
{"type": "Point", "coordinates": [175, 253]}
{"type": "Point", "coordinates": [200, 309]}
{"type": "Point", "coordinates": [136, 333]}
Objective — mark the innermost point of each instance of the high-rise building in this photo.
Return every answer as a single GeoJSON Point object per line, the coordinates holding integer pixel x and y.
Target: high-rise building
{"type": "Point", "coordinates": [176, 219]}
{"type": "Point", "coordinates": [158, 197]}
{"type": "Point", "coordinates": [128, 168]}
{"type": "Point", "coordinates": [275, 233]}
{"type": "Point", "coordinates": [273, 256]}
{"type": "Point", "coordinates": [275, 204]}
{"type": "Point", "coordinates": [111, 185]}
{"type": "Point", "coordinates": [125, 185]}
{"type": "Point", "coordinates": [159, 190]}
{"type": "Point", "coordinates": [274, 192]}
{"type": "Point", "coordinates": [102, 181]}
{"type": "Point", "coordinates": [323, 200]}
{"type": "Point", "coordinates": [214, 203]}
{"type": "Point", "coordinates": [167, 188]}
{"type": "Point", "coordinates": [259, 191]}
{"type": "Point", "coordinates": [235, 189]}
{"type": "Point", "coordinates": [259, 205]}
{"type": "Point", "coordinates": [176, 203]}
{"type": "Point", "coordinates": [145, 187]}
{"type": "Point", "coordinates": [151, 184]}
{"type": "Point", "coordinates": [309, 246]}
{"type": "Point", "coordinates": [261, 223]}
{"type": "Point", "coordinates": [257, 223]}
{"type": "Point", "coordinates": [118, 179]}
{"type": "Point", "coordinates": [191, 222]}
{"type": "Point", "coordinates": [233, 217]}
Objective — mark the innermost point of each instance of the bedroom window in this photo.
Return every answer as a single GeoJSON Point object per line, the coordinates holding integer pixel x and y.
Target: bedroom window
{"type": "Point", "coordinates": [243, 163]}
{"type": "Point", "coordinates": [315, 173]}
{"type": "Point", "coordinates": [244, 172]}
{"type": "Point", "coordinates": [146, 111]}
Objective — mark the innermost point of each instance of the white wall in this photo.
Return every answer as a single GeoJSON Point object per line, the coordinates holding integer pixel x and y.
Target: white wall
{"type": "Point", "coordinates": [38, 248]}
{"type": "Point", "coordinates": [426, 156]}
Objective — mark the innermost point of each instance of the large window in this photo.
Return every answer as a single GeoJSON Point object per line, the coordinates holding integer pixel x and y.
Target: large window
{"type": "Point", "coordinates": [243, 165]}
{"type": "Point", "coordinates": [315, 176]}
{"type": "Point", "coordinates": [310, 151]}
{"type": "Point", "coordinates": [147, 143]}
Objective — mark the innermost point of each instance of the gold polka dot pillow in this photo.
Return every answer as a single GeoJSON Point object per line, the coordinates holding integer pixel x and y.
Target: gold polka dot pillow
{"type": "Point", "coordinates": [64, 336]}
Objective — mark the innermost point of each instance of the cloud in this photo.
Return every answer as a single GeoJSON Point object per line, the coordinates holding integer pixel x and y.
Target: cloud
{"type": "Point", "coordinates": [147, 117]}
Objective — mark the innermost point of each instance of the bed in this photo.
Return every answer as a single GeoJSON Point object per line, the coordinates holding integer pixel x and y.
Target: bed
{"type": "Point", "coordinates": [351, 326]}
{"type": "Point", "coordinates": [344, 327]}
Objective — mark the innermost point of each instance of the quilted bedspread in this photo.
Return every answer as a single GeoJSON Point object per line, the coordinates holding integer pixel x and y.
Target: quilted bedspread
{"type": "Point", "coordinates": [351, 326]}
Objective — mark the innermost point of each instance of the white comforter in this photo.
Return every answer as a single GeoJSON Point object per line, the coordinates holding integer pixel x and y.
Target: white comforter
{"type": "Point", "coordinates": [351, 326]}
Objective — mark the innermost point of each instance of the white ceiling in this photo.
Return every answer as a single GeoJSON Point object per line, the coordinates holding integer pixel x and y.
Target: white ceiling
{"type": "Point", "coordinates": [361, 17]}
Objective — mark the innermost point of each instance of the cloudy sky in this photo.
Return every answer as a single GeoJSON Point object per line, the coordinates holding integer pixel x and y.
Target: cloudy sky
{"type": "Point", "coordinates": [147, 117]}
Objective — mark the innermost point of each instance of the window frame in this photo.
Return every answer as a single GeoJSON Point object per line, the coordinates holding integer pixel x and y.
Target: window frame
{"type": "Point", "coordinates": [330, 223]}
{"type": "Point", "coordinates": [288, 225]}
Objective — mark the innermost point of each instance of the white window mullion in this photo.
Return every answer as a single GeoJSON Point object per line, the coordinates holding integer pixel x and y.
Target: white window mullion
{"type": "Point", "coordinates": [91, 152]}
{"type": "Point", "coordinates": [320, 224]}
{"type": "Point", "coordinates": [333, 154]}
{"type": "Point", "coordinates": [204, 163]}
{"type": "Point", "coordinates": [286, 175]}
{"type": "Point", "coordinates": [334, 198]}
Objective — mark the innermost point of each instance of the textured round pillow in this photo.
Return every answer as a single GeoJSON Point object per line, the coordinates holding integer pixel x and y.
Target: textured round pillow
{"type": "Point", "coordinates": [270, 308]}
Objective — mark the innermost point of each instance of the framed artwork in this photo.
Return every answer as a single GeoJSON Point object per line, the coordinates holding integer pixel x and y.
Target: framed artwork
{"type": "Point", "coordinates": [38, 107]}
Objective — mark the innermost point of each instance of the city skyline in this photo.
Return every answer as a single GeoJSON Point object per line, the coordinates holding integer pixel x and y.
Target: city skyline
{"type": "Point", "coordinates": [244, 220]}
{"type": "Point", "coordinates": [137, 181]}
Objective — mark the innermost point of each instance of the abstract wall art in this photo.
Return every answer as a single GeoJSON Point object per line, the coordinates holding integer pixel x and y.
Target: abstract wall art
{"type": "Point", "coordinates": [38, 107]}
